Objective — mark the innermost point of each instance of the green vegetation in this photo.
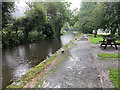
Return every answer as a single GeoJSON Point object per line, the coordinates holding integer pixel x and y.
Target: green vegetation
{"type": "Point", "coordinates": [43, 20]}
{"type": "Point", "coordinates": [63, 31]}
{"type": "Point", "coordinates": [94, 16]}
{"type": "Point", "coordinates": [94, 40]}
{"type": "Point", "coordinates": [48, 20]}
{"type": "Point", "coordinates": [108, 55]}
{"type": "Point", "coordinates": [100, 37]}
{"type": "Point", "coordinates": [114, 76]}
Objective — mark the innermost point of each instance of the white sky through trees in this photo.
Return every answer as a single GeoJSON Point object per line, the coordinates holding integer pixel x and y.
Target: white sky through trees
{"type": "Point", "coordinates": [21, 7]}
{"type": "Point", "coordinates": [74, 4]}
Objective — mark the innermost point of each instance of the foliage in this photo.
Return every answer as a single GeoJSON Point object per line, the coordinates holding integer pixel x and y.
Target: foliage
{"type": "Point", "coordinates": [114, 76]}
{"type": "Point", "coordinates": [94, 16]}
{"type": "Point", "coordinates": [44, 18]}
{"type": "Point", "coordinates": [58, 14]}
{"type": "Point", "coordinates": [63, 31]}
{"type": "Point", "coordinates": [7, 8]}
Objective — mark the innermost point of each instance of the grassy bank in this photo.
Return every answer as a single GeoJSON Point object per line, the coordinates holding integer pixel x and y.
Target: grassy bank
{"type": "Point", "coordinates": [37, 69]}
{"type": "Point", "coordinates": [115, 77]}
{"type": "Point", "coordinates": [94, 40]}
{"type": "Point", "coordinates": [40, 83]}
{"type": "Point", "coordinates": [108, 55]}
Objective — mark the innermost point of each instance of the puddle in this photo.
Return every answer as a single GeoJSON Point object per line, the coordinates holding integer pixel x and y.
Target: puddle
{"type": "Point", "coordinates": [79, 72]}
{"type": "Point", "coordinates": [58, 86]}
{"type": "Point", "coordinates": [69, 68]}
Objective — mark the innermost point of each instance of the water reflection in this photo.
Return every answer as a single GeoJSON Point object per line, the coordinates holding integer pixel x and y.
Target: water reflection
{"type": "Point", "coordinates": [19, 60]}
{"type": "Point", "coordinates": [21, 70]}
{"type": "Point", "coordinates": [66, 38]}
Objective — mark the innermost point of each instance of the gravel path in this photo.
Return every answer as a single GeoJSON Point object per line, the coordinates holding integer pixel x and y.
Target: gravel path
{"type": "Point", "coordinates": [78, 70]}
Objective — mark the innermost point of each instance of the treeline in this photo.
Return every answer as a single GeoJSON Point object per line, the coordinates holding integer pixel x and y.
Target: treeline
{"type": "Point", "coordinates": [98, 15]}
{"type": "Point", "coordinates": [43, 20]}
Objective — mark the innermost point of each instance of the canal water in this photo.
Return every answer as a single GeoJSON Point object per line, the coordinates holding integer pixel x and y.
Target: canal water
{"type": "Point", "coordinates": [19, 60]}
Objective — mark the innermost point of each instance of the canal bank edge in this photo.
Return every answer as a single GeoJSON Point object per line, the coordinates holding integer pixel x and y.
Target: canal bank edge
{"type": "Point", "coordinates": [40, 68]}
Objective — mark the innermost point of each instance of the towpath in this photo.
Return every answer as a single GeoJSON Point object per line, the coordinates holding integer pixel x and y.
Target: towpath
{"type": "Point", "coordinates": [78, 70]}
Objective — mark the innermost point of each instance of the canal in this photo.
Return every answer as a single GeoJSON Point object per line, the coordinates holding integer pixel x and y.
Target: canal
{"type": "Point", "coordinates": [17, 61]}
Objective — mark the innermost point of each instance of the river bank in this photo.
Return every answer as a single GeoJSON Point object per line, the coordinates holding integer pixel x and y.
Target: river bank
{"type": "Point", "coordinates": [17, 61]}
{"type": "Point", "coordinates": [27, 77]}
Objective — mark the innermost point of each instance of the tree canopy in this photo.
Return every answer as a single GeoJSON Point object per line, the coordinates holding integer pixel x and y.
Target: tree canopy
{"type": "Point", "coordinates": [102, 15]}
{"type": "Point", "coordinates": [45, 18]}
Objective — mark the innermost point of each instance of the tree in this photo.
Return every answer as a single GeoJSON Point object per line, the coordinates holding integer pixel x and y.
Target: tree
{"type": "Point", "coordinates": [104, 15]}
{"type": "Point", "coordinates": [36, 17]}
{"type": "Point", "coordinates": [7, 8]}
{"type": "Point", "coordinates": [58, 14]}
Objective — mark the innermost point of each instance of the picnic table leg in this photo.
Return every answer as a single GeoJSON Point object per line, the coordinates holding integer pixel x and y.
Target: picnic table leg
{"type": "Point", "coordinates": [115, 45]}
{"type": "Point", "coordinates": [105, 46]}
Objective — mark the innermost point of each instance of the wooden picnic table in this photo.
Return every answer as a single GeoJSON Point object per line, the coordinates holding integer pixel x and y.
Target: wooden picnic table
{"type": "Point", "coordinates": [108, 41]}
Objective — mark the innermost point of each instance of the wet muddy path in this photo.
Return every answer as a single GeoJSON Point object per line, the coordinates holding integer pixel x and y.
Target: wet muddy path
{"type": "Point", "coordinates": [77, 70]}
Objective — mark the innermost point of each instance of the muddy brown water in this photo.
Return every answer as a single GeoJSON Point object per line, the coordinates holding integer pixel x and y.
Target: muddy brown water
{"type": "Point", "coordinates": [19, 60]}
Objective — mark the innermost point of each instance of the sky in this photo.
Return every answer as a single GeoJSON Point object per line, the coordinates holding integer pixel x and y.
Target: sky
{"type": "Point", "coordinates": [21, 7]}
{"type": "Point", "coordinates": [75, 4]}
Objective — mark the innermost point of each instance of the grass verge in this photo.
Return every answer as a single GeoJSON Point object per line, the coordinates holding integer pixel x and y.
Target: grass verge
{"type": "Point", "coordinates": [108, 55]}
{"type": "Point", "coordinates": [115, 77]}
{"type": "Point", "coordinates": [40, 83]}
{"type": "Point", "coordinates": [94, 40]}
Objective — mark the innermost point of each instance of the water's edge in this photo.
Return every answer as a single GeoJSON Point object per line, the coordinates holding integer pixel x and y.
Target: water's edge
{"type": "Point", "coordinates": [29, 75]}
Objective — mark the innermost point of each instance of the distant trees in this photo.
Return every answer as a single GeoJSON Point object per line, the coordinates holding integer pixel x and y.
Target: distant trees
{"type": "Point", "coordinates": [103, 15]}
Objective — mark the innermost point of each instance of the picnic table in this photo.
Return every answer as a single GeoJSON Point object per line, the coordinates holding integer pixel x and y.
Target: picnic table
{"type": "Point", "coordinates": [109, 41]}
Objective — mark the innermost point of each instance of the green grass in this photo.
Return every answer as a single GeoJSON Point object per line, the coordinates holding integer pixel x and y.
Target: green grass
{"type": "Point", "coordinates": [108, 55]}
{"type": "Point", "coordinates": [118, 40]}
{"type": "Point", "coordinates": [115, 77]}
{"type": "Point", "coordinates": [94, 40]}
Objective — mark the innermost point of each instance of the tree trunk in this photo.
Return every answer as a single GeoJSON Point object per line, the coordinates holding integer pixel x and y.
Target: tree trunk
{"type": "Point", "coordinates": [26, 34]}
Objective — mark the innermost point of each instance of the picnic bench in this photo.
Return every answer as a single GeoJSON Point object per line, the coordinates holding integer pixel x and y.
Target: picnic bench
{"type": "Point", "coordinates": [109, 41]}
